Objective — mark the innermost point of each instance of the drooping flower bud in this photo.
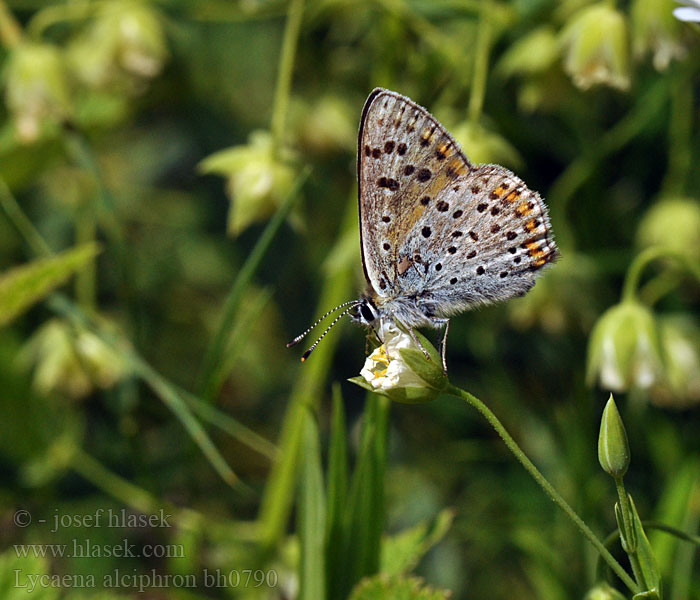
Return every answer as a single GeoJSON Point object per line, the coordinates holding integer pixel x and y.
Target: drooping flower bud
{"type": "Point", "coordinates": [596, 47]}
{"type": "Point", "coordinates": [623, 350]}
{"type": "Point", "coordinates": [36, 89]}
{"type": "Point", "coordinates": [258, 180]}
{"type": "Point", "coordinates": [672, 223]}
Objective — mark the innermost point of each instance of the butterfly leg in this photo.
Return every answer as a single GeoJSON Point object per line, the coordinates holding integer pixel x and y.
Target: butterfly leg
{"type": "Point", "coordinates": [416, 341]}
{"type": "Point", "coordinates": [442, 346]}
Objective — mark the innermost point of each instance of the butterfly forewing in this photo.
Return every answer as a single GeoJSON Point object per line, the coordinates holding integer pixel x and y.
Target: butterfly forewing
{"type": "Point", "coordinates": [434, 227]}
{"type": "Point", "coordinates": [405, 160]}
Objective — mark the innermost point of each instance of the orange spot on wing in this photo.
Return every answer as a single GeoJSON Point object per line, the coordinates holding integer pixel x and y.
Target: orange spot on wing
{"type": "Point", "coordinates": [523, 209]}
{"type": "Point", "coordinates": [531, 224]}
{"type": "Point", "coordinates": [512, 197]}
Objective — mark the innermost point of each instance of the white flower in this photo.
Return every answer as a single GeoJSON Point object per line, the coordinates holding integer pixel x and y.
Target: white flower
{"type": "Point", "coordinates": [385, 369]}
{"type": "Point", "coordinates": [689, 12]}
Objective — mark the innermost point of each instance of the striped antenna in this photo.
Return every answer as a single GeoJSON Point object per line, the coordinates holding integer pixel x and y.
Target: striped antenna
{"type": "Point", "coordinates": [333, 322]}
{"type": "Point", "coordinates": [300, 337]}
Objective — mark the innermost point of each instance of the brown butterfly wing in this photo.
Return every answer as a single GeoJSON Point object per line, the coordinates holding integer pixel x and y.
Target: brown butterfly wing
{"type": "Point", "coordinates": [406, 160]}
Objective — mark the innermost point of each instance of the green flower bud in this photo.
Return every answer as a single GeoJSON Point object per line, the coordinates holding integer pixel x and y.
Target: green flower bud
{"type": "Point", "coordinates": [680, 347]}
{"type": "Point", "coordinates": [531, 54]}
{"type": "Point", "coordinates": [486, 146]}
{"type": "Point", "coordinates": [672, 223]}
{"type": "Point", "coordinates": [613, 448]}
{"type": "Point", "coordinates": [258, 181]}
{"type": "Point", "coordinates": [656, 31]}
{"type": "Point", "coordinates": [603, 591]}
{"type": "Point", "coordinates": [326, 127]}
{"type": "Point", "coordinates": [122, 47]}
{"type": "Point", "coordinates": [623, 350]}
{"type": "Point", "coordinates": [595, 47]}
{"type": "Point", "coordinates": [36, 89]}
{"type": "Point", "coordinates": [71, 362]}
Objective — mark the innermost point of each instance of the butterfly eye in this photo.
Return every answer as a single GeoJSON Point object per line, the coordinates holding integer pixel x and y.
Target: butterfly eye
{"type": "Point", "coordinates": [366, 313]}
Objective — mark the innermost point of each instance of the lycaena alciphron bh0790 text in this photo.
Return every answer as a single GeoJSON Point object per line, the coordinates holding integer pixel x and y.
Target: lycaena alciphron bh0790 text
{"type": "Point", "coordinates": [438, 234]}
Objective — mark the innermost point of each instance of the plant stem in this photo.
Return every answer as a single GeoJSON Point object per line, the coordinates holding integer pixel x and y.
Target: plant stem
{"type": "Point", "coordinates": [284, 74]}
{"type": "Point", "coordinates": [481, 64]}
{"type": "Point", "coordinates": [86, 278]}
{"type": "Point", "coordinates": [278, 495]}
{"type": "Point", "coordinates": [144, 502]}
{"type": "Point", "coordinates": [628, 533]}
{"type": "Point", "coordinates": [215, 351]}
{"type": "Point", "coordinates": [21, 222]}
{"type": "Point", "coordinates": [544, 484]}
{"type": "Point", "coordinates": [10, 29]}
{"type": "Point", "coordinates": [679, 133]}
{"type": "Point", "coordinates": [634, 273]}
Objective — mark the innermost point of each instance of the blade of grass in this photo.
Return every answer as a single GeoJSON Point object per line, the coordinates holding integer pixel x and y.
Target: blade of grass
{"type": "Point", "coordinates": [337, 492]}
{"type": "Point", "coordinates": [166, 391]}
{"type": "Point", "coordinates": [229, 425]}
{"type": "Point", "coordinates": [215, 351]}
{"type": "Point", "coordinates": [239, 335]}
{"type": "Point", "coordinates": [279, 489]}
{"type": "Point", "coordinates": [21, 223]}
{"type": "Point", "coordinates": [365, 510]}
{"type": "Point", "coordinates": [312, 515]}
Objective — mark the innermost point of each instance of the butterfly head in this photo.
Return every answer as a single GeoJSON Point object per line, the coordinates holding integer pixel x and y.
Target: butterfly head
{"type": "Point", "coordinates": [365, 312]}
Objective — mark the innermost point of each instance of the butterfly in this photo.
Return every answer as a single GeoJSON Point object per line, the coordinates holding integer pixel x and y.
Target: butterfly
{"type": "Point", "coordinates": [439, 235]}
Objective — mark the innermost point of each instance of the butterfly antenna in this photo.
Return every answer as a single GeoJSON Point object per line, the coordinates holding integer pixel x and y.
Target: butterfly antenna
{"type": "Point", "coordinates": [300, 337]}
{"type": "Point", "coordinates": [333, 322]}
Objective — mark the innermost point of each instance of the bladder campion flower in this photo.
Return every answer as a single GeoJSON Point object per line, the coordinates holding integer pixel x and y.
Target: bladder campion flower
{"type": "Point", "coordinates": [399, 368]}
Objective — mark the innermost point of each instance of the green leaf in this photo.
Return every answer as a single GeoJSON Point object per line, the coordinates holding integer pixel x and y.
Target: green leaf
{"type": "Point", "coordinates": [337, 489]}
{"type": "Point", "coordinates": [381, 587]}
{"type": "Point", "coordinates": [26, 285]}
{"type": "Point", "coordinates": [15, 583]}
{"type": "Point", "coordinates": [312, 516]}
{"type": "Point", "coordinates": [645, 554]}
{"type": "Point", "coordinates": [675, 508]}
{"type": "Point", "coordinates": [365, 507]}
{"type": "Point", "coordinates": [402, 552]}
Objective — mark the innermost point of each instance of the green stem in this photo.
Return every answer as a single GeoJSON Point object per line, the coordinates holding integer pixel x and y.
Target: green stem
{"type": "Point", "coordinates": [10, 29]}
{"type": "Point", "coordinates": [284, 74]}
{"type": "Point", "coordinates": [629, 534]}
{"type": "Point", "coordinates": [215, 351]}
{"type": "Point", "coordinates": [144, 502]}
{"type": "Point", "coordinates": [679, 134]}
{"type": "Point", "coordinates": [481, 64]}
{"type": "Point", "coordinates": [278, 495]}
{"type": "Point", "coordinates": [564, 188]}
{"type": "Point", "coordinates": [115, 486]}
{"type": "Point", "coordinates": [681, 535]}
{"type": "Point", "coordinates": [61, 13]}
{"type": "Point", "coordinates": [86, 278]}
{"type": "Point", "coordinates": [166, 391]}
{"type": "Point", "coordinates": [21, 222]}
{"type": "Point", "coordinates": [634, 273]}
{"type": "Point", "coordinates": [544, 484]}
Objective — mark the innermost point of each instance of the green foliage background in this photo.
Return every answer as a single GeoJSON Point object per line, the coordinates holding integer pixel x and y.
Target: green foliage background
{"type": "Point", "coordinates": [208, 148]}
